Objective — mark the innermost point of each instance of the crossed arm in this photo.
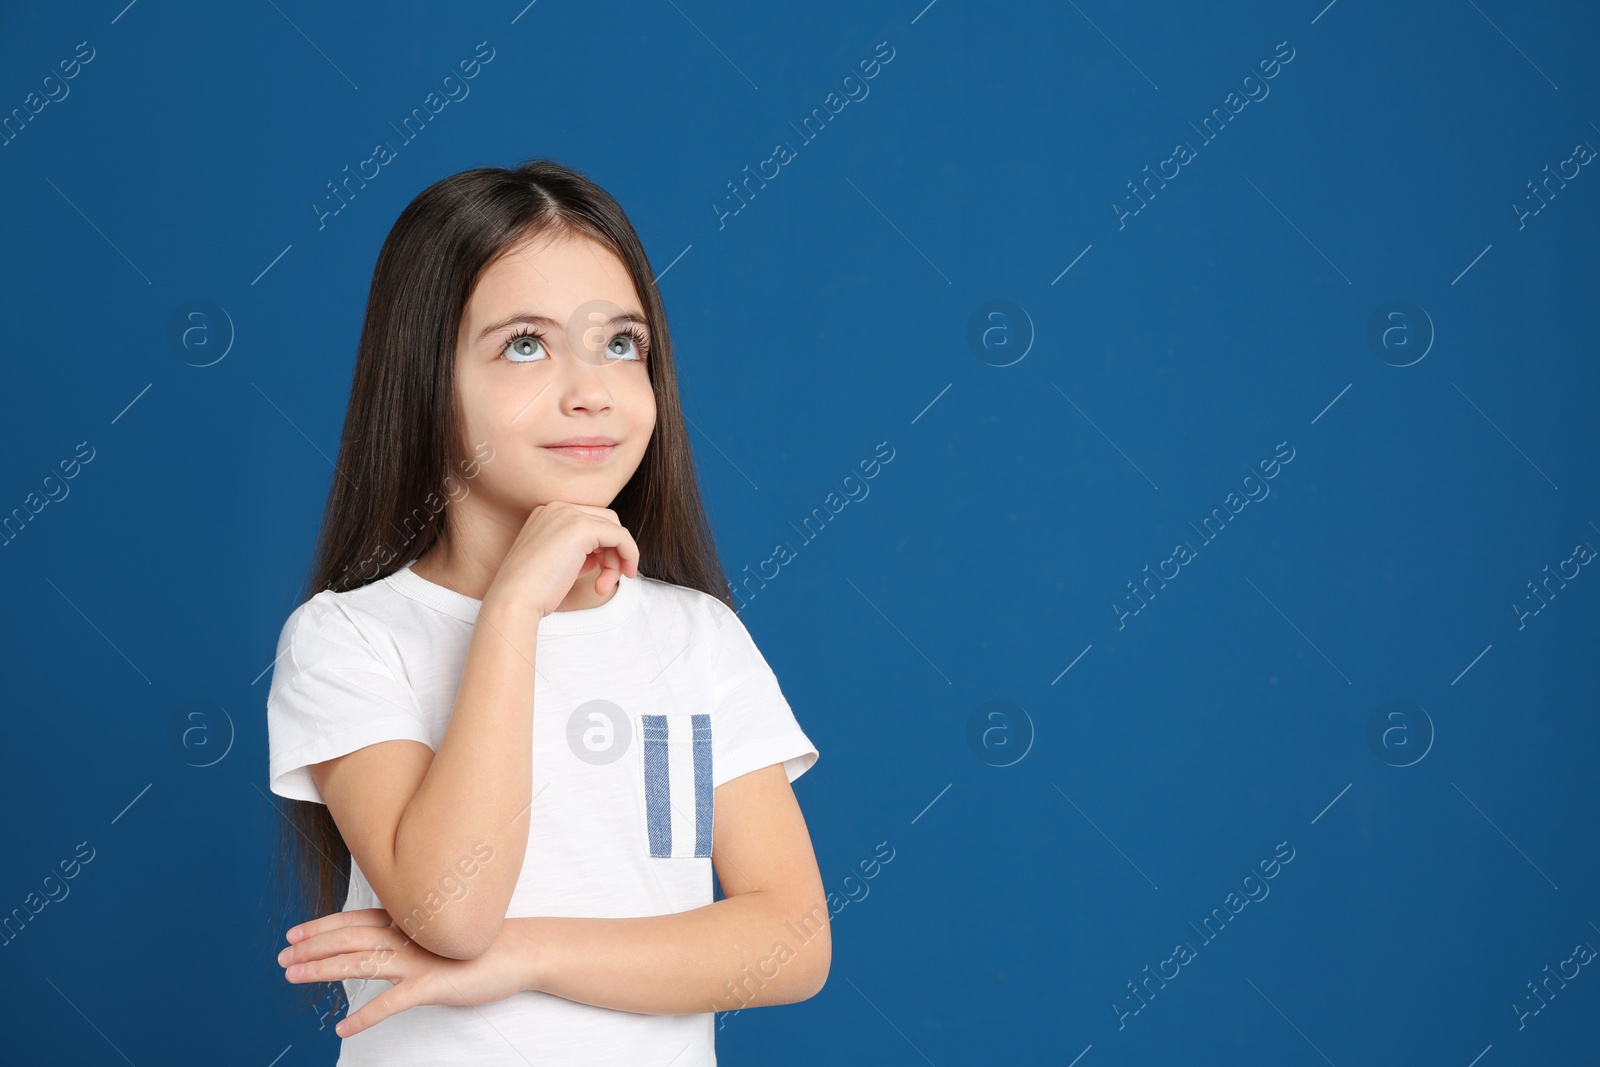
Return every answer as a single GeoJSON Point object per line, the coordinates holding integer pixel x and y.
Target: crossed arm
{"type": "Point", "coordinates": [767, 942]}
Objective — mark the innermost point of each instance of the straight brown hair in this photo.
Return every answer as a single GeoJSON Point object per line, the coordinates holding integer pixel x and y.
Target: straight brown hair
{"type": "Point", "coordinates": [401, 444]}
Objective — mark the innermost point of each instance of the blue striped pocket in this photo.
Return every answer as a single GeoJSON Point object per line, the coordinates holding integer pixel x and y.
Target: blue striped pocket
{"type": "Point", "coordinates": [676, 750]}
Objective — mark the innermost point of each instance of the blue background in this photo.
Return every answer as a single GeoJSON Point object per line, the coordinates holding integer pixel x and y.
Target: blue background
{"type": "Point", "coordinates": [1438, 866]}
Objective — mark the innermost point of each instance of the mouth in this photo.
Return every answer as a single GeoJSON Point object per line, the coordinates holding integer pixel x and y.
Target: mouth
{"type": "Point", "coordinates": [583, 449]}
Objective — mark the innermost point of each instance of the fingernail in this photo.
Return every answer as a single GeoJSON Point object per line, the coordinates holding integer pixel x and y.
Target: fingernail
{"type": "Point", "coordinates": [283, 957]}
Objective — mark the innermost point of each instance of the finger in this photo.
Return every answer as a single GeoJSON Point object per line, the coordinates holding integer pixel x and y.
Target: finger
{"type": "Point", "coordinates": [619, 540]}
{"type": "Point", "coordinates": [330, 940]}
{"type": "Point", "coordinates": [338, 919]}
{"type": "Point", "coordinates": [598, 512]}
{"type": "Point", "coordinates": [351, 966]}
{"type": "Point", "coordinates": [610, 572]}
{"type": "Point", "coordinates": [630, 551]}
{"type": "Point", "coordinates": [360, 966]}
{"type": "Point", "coordinates": [390, 1002]}
{"type": "Point", "coordinates": [352, 938]}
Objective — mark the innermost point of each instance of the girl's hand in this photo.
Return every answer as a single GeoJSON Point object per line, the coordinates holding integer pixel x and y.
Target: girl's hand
{"type": "Point", "coordinates": [558, 542]}
{"type": "Point", "coordinates": [365, 944]}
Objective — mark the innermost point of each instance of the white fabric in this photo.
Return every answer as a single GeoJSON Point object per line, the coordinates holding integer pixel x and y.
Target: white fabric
{"type": "Point", "coordinates": [384, 661]}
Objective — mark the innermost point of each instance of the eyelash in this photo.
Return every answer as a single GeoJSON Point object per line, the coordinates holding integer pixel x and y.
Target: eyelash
{"type": "Point", "coordinates": [641, 342]}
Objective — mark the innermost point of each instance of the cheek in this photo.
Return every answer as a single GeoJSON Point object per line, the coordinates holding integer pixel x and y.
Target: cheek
{"type": "Point", "coordinates": [644, 430]}
{"type": "Point", "coordinates": [644, 401]}
{"type": "Point", "coordinates": [469, 401]}
{"type": "Point", "coordinates": [488, 413]}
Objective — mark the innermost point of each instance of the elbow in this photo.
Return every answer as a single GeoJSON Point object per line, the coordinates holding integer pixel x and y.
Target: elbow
{"type": "Point", "coordinates": [459, 937]}
{"type": "Point", "coordinates": [819, 971]}
{"type": "Point", "coordinates": [816, 959]}
{"type": "Point", "coordinates": [468, 945]}
{"type": "Point", "coordinates": [471, 940]}
{"type": "Point", "coordinates": [455, 924]}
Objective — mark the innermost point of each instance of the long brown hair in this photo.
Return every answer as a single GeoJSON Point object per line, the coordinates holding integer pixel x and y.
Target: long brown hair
{"type": "Point", "coordinates": [401, 442]}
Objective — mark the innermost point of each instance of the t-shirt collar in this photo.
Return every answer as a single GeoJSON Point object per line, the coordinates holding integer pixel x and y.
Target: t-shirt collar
{"type": "Point", "coordinates": [460, 606]}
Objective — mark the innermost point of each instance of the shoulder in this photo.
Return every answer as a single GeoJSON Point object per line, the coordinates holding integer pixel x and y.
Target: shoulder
{"type": "Point", "coordinates": [707, 623]}
{"type": "Point", "coordinates": [702, 615]}
{"type": "Point", "coordinates": [361, 620]}
{"type": "Point", "coordinates": [662, 597]}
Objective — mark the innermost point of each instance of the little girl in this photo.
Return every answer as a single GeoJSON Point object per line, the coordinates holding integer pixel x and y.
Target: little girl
{"type": "Point", "coordinates": [517, 722]}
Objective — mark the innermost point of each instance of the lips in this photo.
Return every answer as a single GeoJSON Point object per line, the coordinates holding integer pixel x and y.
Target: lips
{"type": "Point", "coordinates": [581, 442]}
{"type": "Point", "coordinates": [586, 449]}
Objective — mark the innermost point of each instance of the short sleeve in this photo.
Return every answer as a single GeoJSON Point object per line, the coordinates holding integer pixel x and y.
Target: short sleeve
{"type": "Point", "coordinates": [753, 725]}
{"type": "Point", "coordinates": [331, 694]}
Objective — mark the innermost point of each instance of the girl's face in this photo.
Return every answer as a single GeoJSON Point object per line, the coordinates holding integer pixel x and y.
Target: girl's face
{"type": "Point", "coordinates": [553, 346]}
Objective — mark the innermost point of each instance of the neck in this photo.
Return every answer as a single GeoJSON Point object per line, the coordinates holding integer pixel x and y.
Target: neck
{"type": "Point", "coordinates": [470, 568]}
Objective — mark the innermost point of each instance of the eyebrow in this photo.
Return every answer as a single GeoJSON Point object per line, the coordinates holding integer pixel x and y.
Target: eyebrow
{"type": "Point", "coordinates": [531, 319]}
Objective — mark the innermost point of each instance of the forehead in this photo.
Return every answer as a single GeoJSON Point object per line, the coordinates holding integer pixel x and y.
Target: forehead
{"type": "Point", "coordinates": [549, 275]}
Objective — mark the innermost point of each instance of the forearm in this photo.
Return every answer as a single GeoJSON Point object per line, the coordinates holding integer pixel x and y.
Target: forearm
{"type": "Point", "coordinates": [472, 804]}
{"type": "Point", "coordinates": [745, 951]}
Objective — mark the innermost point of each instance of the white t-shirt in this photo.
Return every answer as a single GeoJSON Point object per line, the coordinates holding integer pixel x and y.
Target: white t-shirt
{"type": "Point", "coordinates": [641, 708]}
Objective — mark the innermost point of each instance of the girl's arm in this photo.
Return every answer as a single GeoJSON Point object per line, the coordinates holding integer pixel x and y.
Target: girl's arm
{"type": "Point", "coordinates": [441, 836]}
{"type": "Point", "coordinates": [768, 942]}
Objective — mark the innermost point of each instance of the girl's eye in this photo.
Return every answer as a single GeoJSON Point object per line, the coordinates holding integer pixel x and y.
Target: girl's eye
{"type": "Point", "coordinates": [523, 348]}
{"type": "Point", "coordinates": [631, 345]}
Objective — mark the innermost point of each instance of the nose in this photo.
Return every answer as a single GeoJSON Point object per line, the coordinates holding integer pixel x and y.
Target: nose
{"type": "Point", "coordinates": [583, 381]}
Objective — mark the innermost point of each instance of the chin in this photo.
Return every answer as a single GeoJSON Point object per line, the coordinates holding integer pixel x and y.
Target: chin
{"type": "Point", "coordinates": [592, 496]}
